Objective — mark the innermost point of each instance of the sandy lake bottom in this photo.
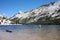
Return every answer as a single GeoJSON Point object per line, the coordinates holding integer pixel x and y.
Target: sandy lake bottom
{"type": "Point", "coordinates": [48, 33]}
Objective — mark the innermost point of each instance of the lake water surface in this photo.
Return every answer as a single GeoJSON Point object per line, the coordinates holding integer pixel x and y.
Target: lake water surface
{"type": "Point", "coordinates": [29, 32]}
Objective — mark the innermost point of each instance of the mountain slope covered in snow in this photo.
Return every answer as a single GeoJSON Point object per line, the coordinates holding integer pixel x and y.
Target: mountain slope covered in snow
{"type": "Point", "coordinates": [4, 20]}
{"type": "Point", "coordinates": [45, 14]}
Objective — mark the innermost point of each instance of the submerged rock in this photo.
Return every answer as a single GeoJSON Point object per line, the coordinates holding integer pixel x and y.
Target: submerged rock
{"type": "Point", "coordinates": [9, 31]}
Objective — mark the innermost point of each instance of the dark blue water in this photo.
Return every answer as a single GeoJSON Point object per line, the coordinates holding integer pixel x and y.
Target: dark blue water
{"type": "Point", "coordinates": [14, 27]}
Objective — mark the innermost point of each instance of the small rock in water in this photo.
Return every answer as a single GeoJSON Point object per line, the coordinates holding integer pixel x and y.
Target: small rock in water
{"type": "Point", "coordinates": [9, 31]}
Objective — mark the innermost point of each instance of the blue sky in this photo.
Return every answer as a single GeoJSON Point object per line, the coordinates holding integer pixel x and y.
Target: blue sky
{"type": "Point", "coordinates": [10, 7]}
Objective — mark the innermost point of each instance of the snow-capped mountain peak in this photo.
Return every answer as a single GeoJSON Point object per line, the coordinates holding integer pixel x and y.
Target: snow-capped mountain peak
{"type": "Point", "coordinates": [20, 12]}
